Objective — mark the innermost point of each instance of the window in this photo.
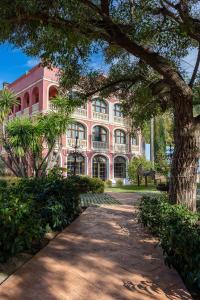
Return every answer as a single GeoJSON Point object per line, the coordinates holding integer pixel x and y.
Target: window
{"type": "Point", "coordinates": [119, 167]}
{"type": "Point", "coordinates": [99, 167]}
{"type": "Point", "coordinates": [134, 139]}
{"type": "Point", "coordinates": [76, 130]}
{"type": "Point", "coordinates": [99, 134]}
{"type": "Point", "coordinates": [100, 106]}
{"type": "Point", "coordinates": [80, 164]}
{"type": "Point", "coordinates": [120, 136]}
{"type": "Point", "coordinates": [118, 110]}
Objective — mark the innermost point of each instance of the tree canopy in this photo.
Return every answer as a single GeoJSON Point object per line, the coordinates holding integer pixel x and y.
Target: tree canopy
{"type": "Point", "coordinates": [142, 41]}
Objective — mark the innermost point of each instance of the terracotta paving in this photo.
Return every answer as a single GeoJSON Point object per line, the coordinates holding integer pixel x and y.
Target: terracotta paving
{"type": "Point", "coordinates": [104, 254]}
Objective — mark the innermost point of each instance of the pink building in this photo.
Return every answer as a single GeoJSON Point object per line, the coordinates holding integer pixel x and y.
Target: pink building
{"type": "Point", "coordinates": [104, 137]}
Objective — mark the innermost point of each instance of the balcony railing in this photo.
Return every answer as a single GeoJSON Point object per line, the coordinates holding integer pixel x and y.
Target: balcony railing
{"type": "Point", "coordinates": [121, 120]}
{"type": "Point", "coordinates": [100, 116]}
{"type": "Point", "coordinates": [134, 148]}
{"type": "Point", "coordinates": [100, 145]}
{"type": "Point", "coordinates": [18, 114]}
{"type": "Point", "coordinates": [121, 148]}
{"type": "Point", "coordinates": [35, 107]}
{"type": "Point", "coordinates": [26, 111]}
{"type": "Point", "coordinates": [52, 106]}
{"type": "Point", "coordinates": [82, 112]}
{"type": "Point", "coordinates": [81, 143]}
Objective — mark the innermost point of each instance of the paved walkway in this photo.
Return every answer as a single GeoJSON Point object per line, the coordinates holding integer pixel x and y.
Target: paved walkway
{"type": "Point", "coordinates": [102, 255]}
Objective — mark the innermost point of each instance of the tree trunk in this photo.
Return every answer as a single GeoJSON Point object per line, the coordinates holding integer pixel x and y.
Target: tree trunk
{"type": "Point", "coordinates": [183, 181]}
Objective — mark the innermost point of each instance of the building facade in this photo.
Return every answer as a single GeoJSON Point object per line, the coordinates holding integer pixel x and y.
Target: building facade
{"type": "Point", "coordinates": [105, 142]}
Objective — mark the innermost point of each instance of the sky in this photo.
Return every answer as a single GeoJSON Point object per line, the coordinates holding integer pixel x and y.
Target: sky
{"type": "Point", "coordinates": [14, 63]}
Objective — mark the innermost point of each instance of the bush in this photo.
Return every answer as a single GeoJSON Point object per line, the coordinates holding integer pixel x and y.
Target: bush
{"type": "Point", "coordinates": [179, 232]}
{"type": "Point", "coordinates": [108, 183]}
{"type": "Point", "coordinates": [119, 183]}
{"type": "Point", "coordinates": [32, 205]}
{"type": "Point", "coordinates": [134, 164]}
{"type": "Point", "coordinates": [86, 184]}
{"type": "Point", "coordinates": [20, 226]}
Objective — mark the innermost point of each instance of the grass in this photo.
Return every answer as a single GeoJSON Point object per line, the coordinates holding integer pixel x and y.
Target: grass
{"type": "Point", "coordinates": [132, 188]}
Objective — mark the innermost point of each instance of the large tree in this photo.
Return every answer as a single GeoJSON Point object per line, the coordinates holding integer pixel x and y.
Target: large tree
{"type": "Point", "coordinates": [142, 40]}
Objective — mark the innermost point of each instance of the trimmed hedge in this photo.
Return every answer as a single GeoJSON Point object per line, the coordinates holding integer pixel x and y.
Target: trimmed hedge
{"type": "Point", "coordinates": [178, 230]}
{"type": "Point", "coordinates": [86, 184]}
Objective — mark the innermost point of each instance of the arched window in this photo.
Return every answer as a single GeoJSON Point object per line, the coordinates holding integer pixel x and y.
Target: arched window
{"type": "Point", "coordinates": [80, 164]}
{"type": "Point", "coordinates": [35, 95]}
{"type": "Point", "coordinates": [53, 91]}
{"type": "Point", "coordinates": [120, 167]}
{"type": "Point", "coordinates": [134, 139]}
{"type": "Point", "coordinates": [76, 130]}
{"type": "Point", "coordinates": [26, 100]}
{"type": "Point", "coordinates": [18, 107]}
{"type": "Point", "coordinates": [99, 134]}
{"type": "Point", "coordinates": [118, 110]}
{"type": "Point", "coordinates": [100, 106]}
{"type": "Point", "coordinates": [120, 136]}
{"type": "Point", "coordinates": [99, 167]}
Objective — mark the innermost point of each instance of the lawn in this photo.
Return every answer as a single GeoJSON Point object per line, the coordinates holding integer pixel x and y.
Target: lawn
{"type": "Point", "coordinates": [132, 188]}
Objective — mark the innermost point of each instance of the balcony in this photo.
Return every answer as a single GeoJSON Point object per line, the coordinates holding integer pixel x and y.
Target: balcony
{"type": "Point", "coordinates": [82, 144]}
{"type": "Point", "coordinates": [80, 112]}
{"type": "Point", "coordinates": [134, 148]}
{"type": "Point", "coordinates": [18, 114]}
{"type": "Point", "coordinates": [121, 120]}
{"type": "Point", "coordinates": [26, 111]}
{"type": "Point", "coordinates": [35, 108]}
{"type": "Point", "coordinates": [121, 148]}
{"type": "Point", "coordinates": [99, 146]}
{"type": "Point", "coordinates": [100, 116]}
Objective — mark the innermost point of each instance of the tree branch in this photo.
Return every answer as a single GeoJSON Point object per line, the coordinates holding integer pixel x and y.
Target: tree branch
{"type": "Point", "coordinates": [194, 74]}
{"type": "Point", "coordinates": [105, 6]}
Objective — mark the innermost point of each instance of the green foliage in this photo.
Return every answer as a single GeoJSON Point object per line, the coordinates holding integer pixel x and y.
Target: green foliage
{"type": "Point", "coordinates": [119, 183]}
{"type": "Point", "coordinates": [108, 183]}
{"type": "Point", "coordinates": [20, 225]}
{"type": "Point", "coordinates": [27, 139]}
{"type": "Point", "coordinates": [134, 164]}
{"type": "Point", "coordinates": [179, 232]}
{"type": "Point", "coordinates": [86, 184]}
{"type": "Point", "coordinates": [30, 206]}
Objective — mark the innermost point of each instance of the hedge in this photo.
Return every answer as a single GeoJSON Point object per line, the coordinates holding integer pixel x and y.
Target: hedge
{"type": "Point", "coordinates": [178, 230]}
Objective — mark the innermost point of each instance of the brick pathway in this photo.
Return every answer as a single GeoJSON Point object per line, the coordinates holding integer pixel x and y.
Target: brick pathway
{"type": "Point", "coordinates": [103, 255]}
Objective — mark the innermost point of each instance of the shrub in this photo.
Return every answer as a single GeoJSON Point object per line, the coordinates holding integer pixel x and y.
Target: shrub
{"type": "Point", "coordinates": [119, 183]}
{"type": "Point", "coordinates": [179, 232]}
{"type": "Point", "coordinates": [20, 226]}
{"type": "Point", "coordinates": [134, 164]}
{"type": "Point", "coordinates": [108, 183]}
{"type": "Point", "coordinates": [86, 184]}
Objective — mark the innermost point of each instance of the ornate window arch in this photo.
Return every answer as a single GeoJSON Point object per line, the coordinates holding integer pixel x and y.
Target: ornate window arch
{"type": "Point", "coordinates": [53, 91]}
{"type": "Point", "coordinates": [99, 134]}
{"type": "Point", "coordinates": [76, 130]}
{"type": "Point", "coordinates": [100, 166]}
{"type": "Point", "coordinates": [19, 106]}
{"type": "Point", "coordinates": [100, 106]}
{"type": "Point", "coordinates": [119, 167]}
{"type": "Point", "coordinates": [80, 164]}
{"type": "Point", "coordinates": [120, 136]}
{"type": "Point", "coordinates": [118, 110]}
